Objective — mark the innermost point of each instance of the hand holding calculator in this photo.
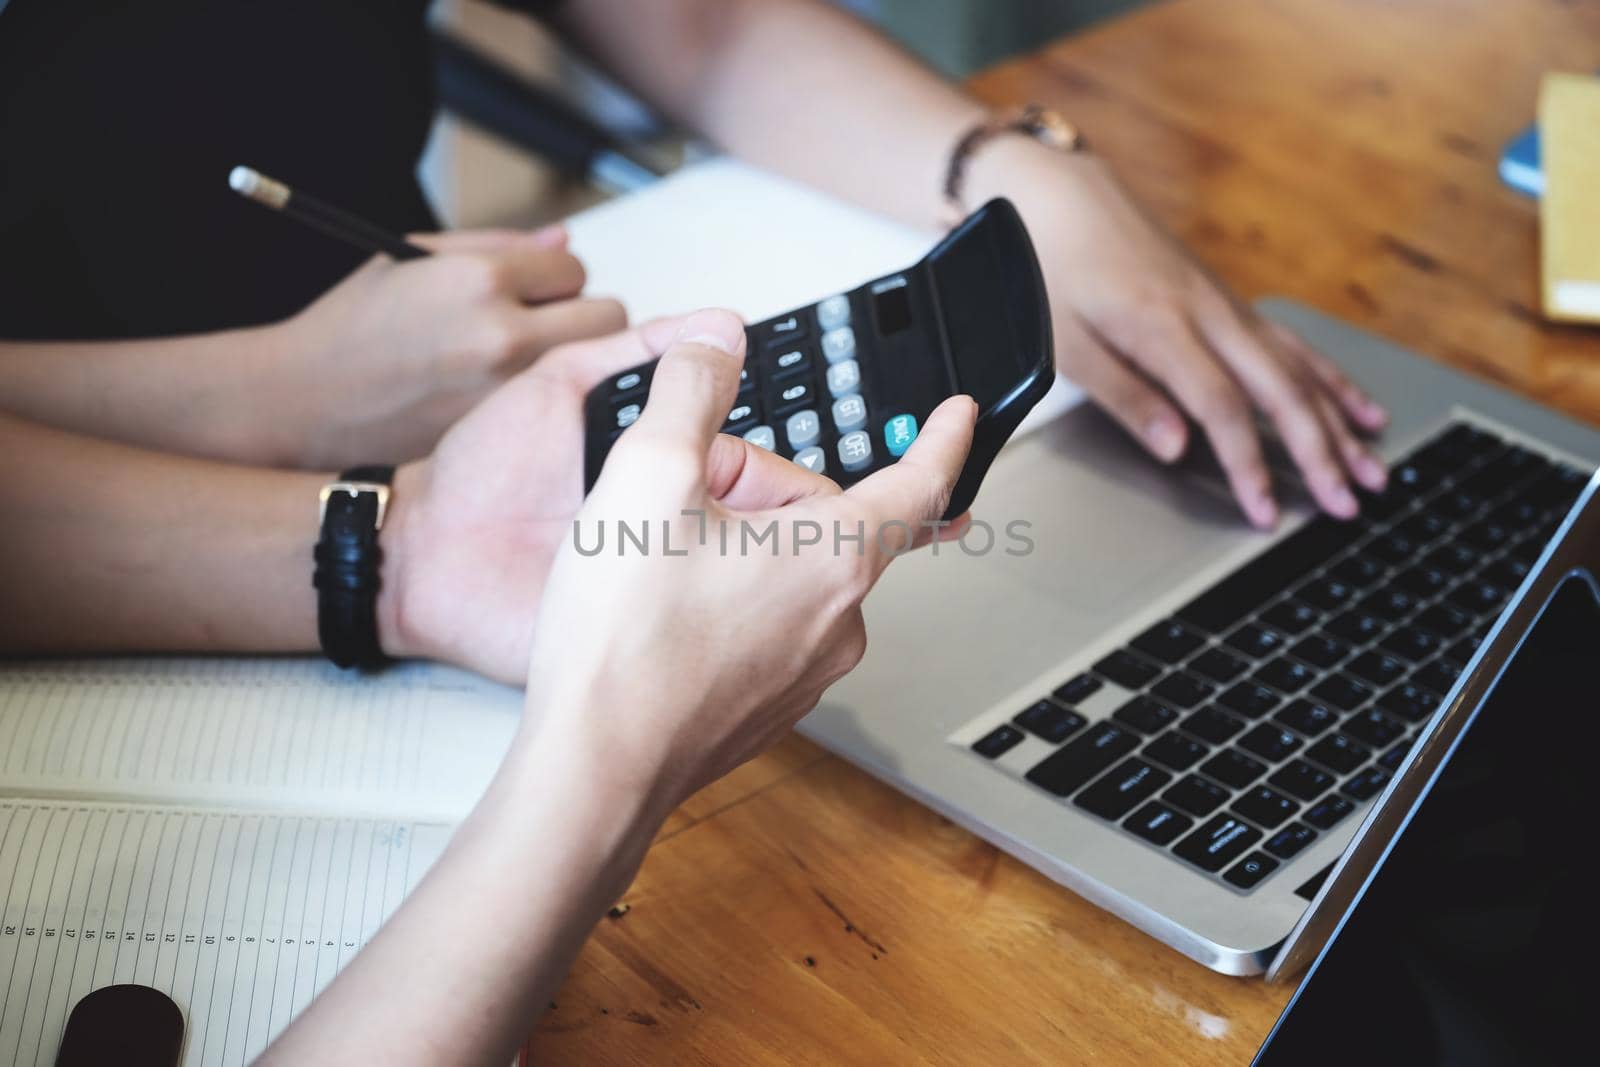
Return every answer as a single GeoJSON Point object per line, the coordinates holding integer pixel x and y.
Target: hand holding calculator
{"type": "Point", "coordinates": [842, 387]}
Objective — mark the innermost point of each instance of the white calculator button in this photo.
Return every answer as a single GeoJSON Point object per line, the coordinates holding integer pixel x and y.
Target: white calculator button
{"type": "Point", "coordinates": [834, 312]}
{"type": "Point", "coordinates": [855, 451]}
{"type": "Point", "coordinates": [631, 380]}
{"type": "Point", "coordinates": [627, 416]}
{"type": "Point", "coordinates": [762, 437]}
{"type": "Point", "coordinates": [803, 429]}
{"type": "Point", "coordinates": [844, 377]}
{"type": "Point", "coordinates": [812, 459]}
{"type": "Point", "coordinates": [849, 413]}
{"type": "Point", "coordinates": [839, 344]}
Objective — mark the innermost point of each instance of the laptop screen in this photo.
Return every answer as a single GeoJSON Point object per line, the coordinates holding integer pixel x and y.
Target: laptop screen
{"type": "Point", "coordinates": [1473, 943]}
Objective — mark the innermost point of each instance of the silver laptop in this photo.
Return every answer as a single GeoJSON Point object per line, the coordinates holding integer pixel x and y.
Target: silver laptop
{"type": "Point", "coordinates": [1179, 719]}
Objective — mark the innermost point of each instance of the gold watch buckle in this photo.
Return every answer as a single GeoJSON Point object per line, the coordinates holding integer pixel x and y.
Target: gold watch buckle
{"type": "Point", "coordinates": [353, 489]}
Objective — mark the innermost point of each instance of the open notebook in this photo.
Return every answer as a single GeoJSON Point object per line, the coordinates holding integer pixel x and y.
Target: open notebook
{"type": "Point", "coordinates": [229, 831]}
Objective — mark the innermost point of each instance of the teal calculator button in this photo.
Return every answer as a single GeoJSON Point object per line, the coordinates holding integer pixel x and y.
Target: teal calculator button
{"type": "Point", "coordinates": [898, 433]}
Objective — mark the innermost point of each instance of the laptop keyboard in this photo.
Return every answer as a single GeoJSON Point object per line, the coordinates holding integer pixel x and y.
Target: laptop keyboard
{"type": "Point", "coordinates": [1274, 705]}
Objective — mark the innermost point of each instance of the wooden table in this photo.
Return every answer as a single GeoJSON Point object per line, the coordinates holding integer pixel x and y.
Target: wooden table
{"type": "Point", "coordinates": [1338, 151]}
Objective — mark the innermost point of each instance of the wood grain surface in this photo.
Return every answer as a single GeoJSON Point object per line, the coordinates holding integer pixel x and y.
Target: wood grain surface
{"type": "Point", "coordinates": [1341, 152]}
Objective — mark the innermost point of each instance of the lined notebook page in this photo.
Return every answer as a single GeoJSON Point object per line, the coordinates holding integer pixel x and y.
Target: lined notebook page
{"type": "Point", "coordinates": [240, 917]}
{"type": "Point", "coordinates": [419, 740]}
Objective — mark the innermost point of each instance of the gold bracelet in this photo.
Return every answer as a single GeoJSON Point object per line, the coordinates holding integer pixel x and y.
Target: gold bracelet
{"type": "Point", "coordinates": [1049, 128]}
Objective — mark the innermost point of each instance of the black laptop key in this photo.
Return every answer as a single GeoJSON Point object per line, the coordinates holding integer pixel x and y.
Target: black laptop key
{"type": "Point", "coordinates": [1417, 478]}
{"type": "Point", "coordinates": [1488, 534]}
{"type": "Point", "coordinates": [1508, 572]}
{"type": "Point", "coordinates": [1077, 689]}
{"type": "Point", "coordinates": [1168, 642]}
{"type": "Point", "coordinates": [1234, 768]}
{"type": "Point", "coordinates": [1390, 603]}
{"type": "Point", "coordinates": [1320, 650]}
{"type": "Point", "coordinates": [1444, 619]}
{"type": "Point", "coordinates": [1071, 767]}
{"type": "Point", "coordinates": [1300, 779]}
{"type": "Point", "coordinates": [1211, 724]}
{"type": "Point", "coordinates": [1127, 670]}
{"type": "Point", "coordinates": [1285, 675]}
{"type": "Point", "coordinates": [1460, 445]}
{"type": "Point", "coordinates": [1248, 872]}
{"type": "Point", "coordinates": [1463, 650]}
{"type": "Point", "coordinates": [1249, 699]}
{"type": "Point", "coordinates": [1377, 508]}
{"type": "Point", "coordinates": [1290, 841]}
{"type": "Point", "coordinates": [1424, 527]}
{"type": "Point", "coordinates": [1410, 701]}
{"type": "Point", "coordinates": [1145, 715]}
{"type": "Point", "coordinates": [1326, 813]}
{"type": "Point", "coordinates": [1196, 795]}
{"type": "Point", "coordinates": [1480, 597]}
{"type": "Point", "coordinates": [1459, 503]}
{"type": "Point", "coordinates": [1050, 721]}
{"type": "Point", "coordinates": [1338, 753]}
{"type": "Point", "coordinates": [1453, 559]}
{"type": "Point", "coordinates": [1117, 792]}
{"type": "Point", "coordinates": [998, 742]}
{"type": "Point", "coordinates": [1342, 691]}
{"type": "Point", "coordinates": [1217, 665]}
{"type": "Point", "coordinates": [1158, 824]}
{"type": "Point", "coordinates": [1222, 606]}
{"type": "Point", "coordinates": [1291, 617]}
{"type": "Point", "coordinates": [1358, 570]}
{"type": "Point", "coordinates": [1255, 641]}
{"type": "Point", "coordinates": [1373, 727]}
{"type": "Point", "coordinates": [1391, 760]}
{"type": "Point", "coordinates": [1393, 548]}
{"type": "Point", "coordinates": [1367, 784]}
{"type": "Point", "coordinates": [1271, 743]}
{"type": "Point", "coordinates": [1265, 806]}
{"type": "Point", "coordinates": [1411, 642]}
{"type": "Point", "coordinates": [1514, 467]}
{"type": "Point", "coordinates": [1439, 676]}
{"type": "Point", "coordinates": [1218, 843]}
{"type": "Point", "coordinates": [1423, 581]}
{"type": "Point", "coordinates": [1307, 717]}
{"type": "Point", "coordinates": [1557, 488]}
{"type": "Point", "coordinates": [1379, 668]}
{"type": "Point", "coordinates": [1176, 751]}
{"type": "Point", "coordinates": [1329, 594]}
{"type": "Point", "coordinates": [1182, 690]}
{"type": "Point", "coordinates": [1356, 626]}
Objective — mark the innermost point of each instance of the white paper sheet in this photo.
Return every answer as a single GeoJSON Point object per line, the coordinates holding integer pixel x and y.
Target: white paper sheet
{"type": "Point", "coordinates": [722, 233]}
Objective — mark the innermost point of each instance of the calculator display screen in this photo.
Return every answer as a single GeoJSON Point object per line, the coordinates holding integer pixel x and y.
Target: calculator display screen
{"type": "Point", "coordinates": [892, 309]}
{"type": "Point", "coordinates": [989, 364]}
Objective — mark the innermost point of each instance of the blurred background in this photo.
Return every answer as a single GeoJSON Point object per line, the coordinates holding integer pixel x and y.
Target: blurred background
{"type": "Point", "coordinates": [476, 178]}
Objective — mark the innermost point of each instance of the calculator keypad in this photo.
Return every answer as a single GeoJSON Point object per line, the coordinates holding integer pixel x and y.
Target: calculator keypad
{"type": "Point", "coordinates": [803, 394]}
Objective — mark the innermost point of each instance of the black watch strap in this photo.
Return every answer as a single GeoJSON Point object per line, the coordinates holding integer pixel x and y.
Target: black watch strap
{"type": "Point", "coordinates": [348, 563]}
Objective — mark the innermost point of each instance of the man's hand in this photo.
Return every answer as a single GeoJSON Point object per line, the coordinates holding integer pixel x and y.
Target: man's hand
{"type": "Point", "coordinates": [384, 362]}
{"type": "Point", "coordinates": [473, 528]}
{"type": "Point", "coordinates": [1149, 334]}
{"type": "Point", "coordinates": [710, 644]}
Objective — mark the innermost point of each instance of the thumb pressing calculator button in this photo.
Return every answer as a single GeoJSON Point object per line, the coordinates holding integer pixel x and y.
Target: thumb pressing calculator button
{"type": "Point", "coordinates": [898, 433]}
{"type": "Point", "coordinates": [812, 459]}
{"type": "Point", "coordinates": [834, 312]}
{"type": "Point", "coordinates": [855, 451]}
{"type": "Point", "coordinates": [839, 344]}
{"type": "Point", "coordinates": [849, 413]}
{"type": "Point", "coordinates": [803, 429]}
{"type": "Point", "coordinates": [762, 437]}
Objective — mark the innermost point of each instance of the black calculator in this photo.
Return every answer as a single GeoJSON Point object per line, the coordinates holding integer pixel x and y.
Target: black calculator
{"type": "Point", "coordinates": [841, 387]}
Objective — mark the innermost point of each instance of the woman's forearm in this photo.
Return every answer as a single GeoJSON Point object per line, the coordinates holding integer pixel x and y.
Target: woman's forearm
{"type": "Point", "coordinates": [465, 968]}
{"type": "Point", "coordinates": [198, 395]}
{"type": "Point", "coordinates": [795, 85]}
{"type": "Point", "coordinates": [105, 547]}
